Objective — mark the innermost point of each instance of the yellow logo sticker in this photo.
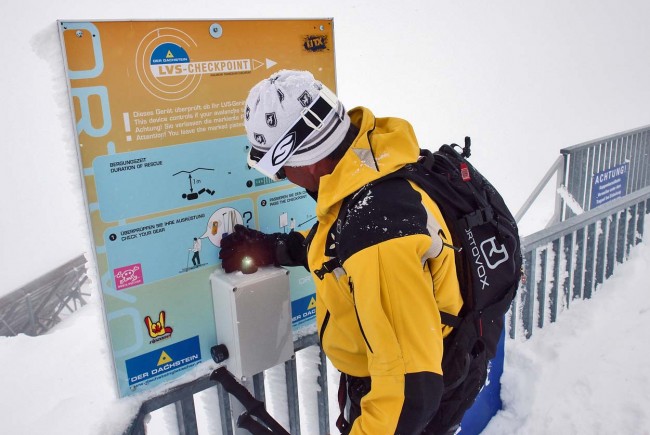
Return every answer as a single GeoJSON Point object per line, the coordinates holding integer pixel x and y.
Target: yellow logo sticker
{"type": "Point", "coordinates": [164, 358]}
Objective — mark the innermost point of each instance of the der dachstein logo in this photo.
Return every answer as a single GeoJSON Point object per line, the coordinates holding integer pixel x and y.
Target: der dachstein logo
{"type": "Point", "coordinates": [487, 254]}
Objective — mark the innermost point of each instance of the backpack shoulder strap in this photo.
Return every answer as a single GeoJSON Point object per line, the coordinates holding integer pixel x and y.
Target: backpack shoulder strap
{"type": "Point", "coordinates": [334, 262]}
{"type": "Point", "coordinates": [333, 250]}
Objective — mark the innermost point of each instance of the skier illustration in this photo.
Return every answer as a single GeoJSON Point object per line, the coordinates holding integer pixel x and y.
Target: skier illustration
{"type": "Point", "coordinates": [196, 248]}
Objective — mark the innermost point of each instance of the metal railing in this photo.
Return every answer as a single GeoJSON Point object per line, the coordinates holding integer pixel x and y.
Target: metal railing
{"type": "Point", "coordinates": [36, 307]}
{"type": "Point", "coordinates": [583, 161]}
{"type": "Point", "coordinates": [568, 260]}
{"type": "Point", "coordinates": [182, 397]}
{"type": "Point", "coordinates": [581, 246]}
{"type": "Point", "coordinates": [577, 164]}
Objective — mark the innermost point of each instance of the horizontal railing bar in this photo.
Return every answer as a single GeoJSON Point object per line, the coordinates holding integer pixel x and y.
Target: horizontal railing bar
{"type": "Point", "coordinates": [177, 393]}
{"type": "Point", "coordinates": [573, 148]}
{"type": "Point", "coordinates": [547, 235]}
{"type": "Point", "coordinates": [42, 281]}
{"type": "Point", "coordinates": [542, 184]}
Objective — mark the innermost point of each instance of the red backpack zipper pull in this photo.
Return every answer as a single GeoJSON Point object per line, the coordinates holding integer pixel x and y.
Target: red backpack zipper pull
{"type": "Point", "coordinates": [464, 172]}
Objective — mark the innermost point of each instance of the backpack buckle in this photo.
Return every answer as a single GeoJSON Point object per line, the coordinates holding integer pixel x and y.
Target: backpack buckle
{"type": "Point", "coordinates": [327, 267]}
{"type": "Point", "coordinates": [479, 217]}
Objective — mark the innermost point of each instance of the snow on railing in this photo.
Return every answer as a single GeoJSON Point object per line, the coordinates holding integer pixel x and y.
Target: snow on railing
{"type": "Point", "coordinates": [568, 260]}
{"type": "Point", "coordinates": [36, 307]}
{"type": "Point", "coordinates": [583, 171]}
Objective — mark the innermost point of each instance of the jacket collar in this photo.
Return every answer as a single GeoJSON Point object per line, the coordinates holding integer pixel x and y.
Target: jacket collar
{"type": "Point", "coordinates": [382, 146]}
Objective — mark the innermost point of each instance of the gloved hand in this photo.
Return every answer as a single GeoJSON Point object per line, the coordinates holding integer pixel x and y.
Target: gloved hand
{"type": "Point", "coordinates": [264, 249]}
{"type": "Point", "coordinates": [246, 242]}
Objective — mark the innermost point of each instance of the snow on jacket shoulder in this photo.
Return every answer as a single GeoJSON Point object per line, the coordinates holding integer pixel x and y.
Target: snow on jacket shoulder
{"type": "Point", "coordinates": [378, 315]}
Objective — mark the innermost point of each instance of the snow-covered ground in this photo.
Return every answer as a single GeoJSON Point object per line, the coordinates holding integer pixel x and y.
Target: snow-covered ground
{"type": "Point", "coordinates": [588, 372]}
{"type": "Point", "coordinates": [524, 79]}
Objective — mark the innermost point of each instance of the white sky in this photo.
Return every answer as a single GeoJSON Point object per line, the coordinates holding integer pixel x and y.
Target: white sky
{"type": "Point", "coordinates": [524, 79]}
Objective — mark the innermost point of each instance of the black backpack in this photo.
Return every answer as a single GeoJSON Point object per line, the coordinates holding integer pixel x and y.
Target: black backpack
{"type": "Point", "coordinates": [487, 248]}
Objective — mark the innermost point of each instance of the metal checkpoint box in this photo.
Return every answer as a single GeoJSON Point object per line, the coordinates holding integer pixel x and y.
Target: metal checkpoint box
{"type": "Point", "coordinates": [252, 314]}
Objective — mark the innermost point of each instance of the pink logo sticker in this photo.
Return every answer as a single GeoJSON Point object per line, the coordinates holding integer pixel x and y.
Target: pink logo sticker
{"type": "Point", "coordinates": [128, 276]}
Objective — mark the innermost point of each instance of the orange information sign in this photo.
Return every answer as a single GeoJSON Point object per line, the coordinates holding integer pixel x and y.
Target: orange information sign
{"type": "Point", "coordinates": [158, 109]}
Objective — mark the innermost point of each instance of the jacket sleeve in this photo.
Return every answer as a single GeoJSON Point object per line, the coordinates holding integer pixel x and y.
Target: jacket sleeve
{"type": "Point", "coordinates": [384, 245]}
{"type": "Point", "coordinates": [290, 249]}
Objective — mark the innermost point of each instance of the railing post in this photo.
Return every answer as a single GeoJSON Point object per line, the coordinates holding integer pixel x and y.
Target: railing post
{"type": "Point", "coordinates": [578, 267]}
{"type": "Point", "coordinates": [322, 395]}
{"type": "Point", "coordinates": [528, 296]}
{"type": "Point", "coordinates": [569, 250]}
{"type": "Point", "coordinates": [186, 416]}
{"type": "Point", "coordinates": [292, 396]}
{"type": "Point", "coordinates": [612, 225]}
{"type": "Point", "coordinates": [560, 180]}
{"type": "Point", "coordinates": [631, 230]}
{"type": "Point", "coordinates": [513, 313]}
{"type": "Point", "coordinates": [590, 260]}
{"type": "Point", "coordinates": [540, 294]}
{"type": "Point", "coordinates": [601, 250]}
{"type": "Point", "coordinates": [555, 290]}
{"type": "Point", "coordinates": [640, 221]}
{"type": "Point", "coordinates": [258, 387]}
{"type": "Point", "coordinates": [225, 411]}
{"type": "Point", "coordinates": [620, 237]}
{"type": "Point", "coordinates": [32, 316]}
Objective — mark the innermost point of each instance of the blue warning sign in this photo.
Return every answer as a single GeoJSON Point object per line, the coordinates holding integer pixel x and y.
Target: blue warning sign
{"type": "Point", "coordinates": [609, 184]}
{"type": "Point", "coordinates": [163, 362]}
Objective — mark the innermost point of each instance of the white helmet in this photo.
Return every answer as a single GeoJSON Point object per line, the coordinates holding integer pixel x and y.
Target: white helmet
{"type": "Point", "coordinates": [292, 119]}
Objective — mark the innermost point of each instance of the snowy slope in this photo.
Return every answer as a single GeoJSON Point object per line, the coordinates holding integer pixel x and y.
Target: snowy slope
{"type": "Point", "coordinates": [588, 372]}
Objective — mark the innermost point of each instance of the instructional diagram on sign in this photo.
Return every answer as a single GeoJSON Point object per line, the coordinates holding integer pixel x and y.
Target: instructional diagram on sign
{"type": "Point", "coordinates": [175, 244]}
{"type": "Point", "coordinates": [153, 180]}
{"type": "Point", "coordinates": [159, 124]}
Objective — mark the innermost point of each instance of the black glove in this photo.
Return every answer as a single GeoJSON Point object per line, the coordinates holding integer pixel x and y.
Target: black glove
{"type": "Point", "coordinates": [245, 242]}
{"type": "Point", "coordinates": [263, 249]}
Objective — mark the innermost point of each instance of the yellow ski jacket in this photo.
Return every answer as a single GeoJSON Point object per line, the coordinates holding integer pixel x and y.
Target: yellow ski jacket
{"type": "Point", "coordinates": [378, 314]}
